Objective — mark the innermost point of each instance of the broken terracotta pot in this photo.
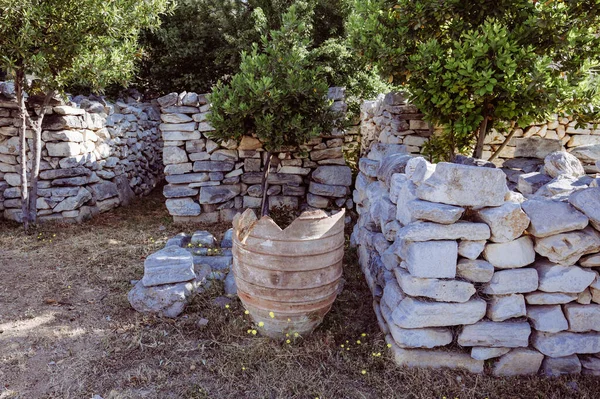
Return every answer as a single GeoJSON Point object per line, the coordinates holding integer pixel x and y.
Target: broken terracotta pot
{"type": "Point", "coordinates": [288, 279]}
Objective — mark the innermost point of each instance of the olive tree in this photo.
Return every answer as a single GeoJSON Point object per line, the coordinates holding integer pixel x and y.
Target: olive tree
{"type": "Point", "coordinates": [47, 45]}
{"type": "Point", "coordinates": [473, 65]}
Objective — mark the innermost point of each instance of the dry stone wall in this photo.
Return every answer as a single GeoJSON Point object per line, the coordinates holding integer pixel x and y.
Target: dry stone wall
{"type": "Point", "coordinates": [465, 271]}
{"type": "Point", "coordinates": [210, 182]}
{"type": "Point", "coordinates": [96, 156]}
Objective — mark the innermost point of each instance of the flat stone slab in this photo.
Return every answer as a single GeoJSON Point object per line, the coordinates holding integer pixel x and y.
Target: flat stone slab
{"type": "Point", "coordinates": [510, 255]}
{"type": "Point", "coordinates": [167, 300]}
{"type": "Point", "coordinates": [588, 202]}
{"type": "Point", "coordinates": [463, 185]}
{"type": "Point", "coordinates": [590, 260]}
{"type": "Point", "coordinates": [204, 239]}
{"type": "Point", "coordinates": [439, 290]}
{"type": "Point", "coordinates": [504, 307]}
{"type": "Point", "coordinates": [552, 217]}
{"type": "Point", "coordinates": [496, 334]}
{"type": "Point", "coordinates": [477, 270]}
{"type": "Point", "coordinates": [566, 343]}
{"type": "Point", "coordinates": [518, 361]}
{"type": "Point", "coordinates": [566, 248]}
{"type": "Point", "coordinates": [565, 279]}
{"type": "Point", "coordinates": [169, 265]}
{"type": "Point", "coordinates": [549, 298]}
{"type": "Point", "coordinates": [433, 212]}
{"type": "Point", "coordinates": [414, 313]}
{"type": "Point", "coordinates": [420, 337]}
{"type": "Point", "coordinates": [392, 294]}
{"type": "Point", "coordinates": [436, 359]}
{"type": "Point", "coordinates": [427, 231]}
{"type": "Point", "coordinates": [557, 366]}
{"type": "Point", "coordinates": [471, 249]}
{"type": "Point", "coordinates": [333, 175]}
{"type": "Point", "coordinates": [547, 318]}
{"type": "Point", "coordinates": [507, 222]}
{"type": "Point", "coordinates": [582, 318]}
{"type": "Point", "coordinates": [515, 281]}
{"type": "Point", "coordinates": [431, 259]}
{"type": "Point", "coordinates": [183, 207]}
{"type": "Point", "coordinates": [483, 353]}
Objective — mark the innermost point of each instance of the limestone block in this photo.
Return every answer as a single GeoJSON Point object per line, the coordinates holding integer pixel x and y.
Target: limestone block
{"type": "Point", "coordinates": [504, 307]}
{"type": "Point", "coordinates": [582, 318]}
{"type": "Point", "coordinates": [530, 183]}
{"type": "Point", "coordinates": [402, 192]}
{"type": "Point", "coordinates": [483, 353]}
{"type": "Point", "coordinates": [428, 231]}
{"type": "Point", "coordinates": [178, 168]}
{"type": "Point", "coordinates": [178, 127]}
{"type": "Point", "coordinates": [518, 361]}
{"type": "Point", "coordinates": [561, 163]}
{"type": "Point", "coordinates": [471, 249]}
{"type": "Point", "coordinates": [552, 217]}
{"type": "Point", "coordinates": [588, 202]}
{"type": "Point", "coordinates": [507, 222]}
{"type": "Point", "coordinates": [173, 155]}
{"type": "Point", "coordinates": [439, 290]}
{"type": "Point", "coordinates": [169, 265]}
{"type": "Point", "coordinates": [327, 190]}
{"type": "Point", "coordinates": [418, 170]}
{"type": "Point", "coordinates": [549, 298]}
{"type": "Point", "coordinates": [179, 191]}
{"type": "Point", "coordinates": [203, 239]}
{"type": "Point", "coordinates": [175, 118]}
{"type": "Point", "coordinates": [477, 186]}
{"type": "Point", "coordinates": [213, 166]}
{"type": "Point", "coordinates": [430, 259]}
{"type": "Point", "coordinates": [219, 194]}
{"type": "Point", "coordinates": [392, 294]}
{"type": "Point", "coordinates": [414, 313]}
{"type": "Point", "coordinates": [391, 164]}
{"type": "Point", "coordinates": [72, 203]}
{"type": "Point", "coordinates": [510, 255]}
{"type": "Point", "coordinates": [557, 366]}
{"type": "Point", "coordinates": [476, 270]}
{"type": "Point", "coordinates": [548, 318]}
{"type": "Point", "coordinates": [64, 149]}
{"type": "Point", "coordinates": [557, 278]}
{"type": "Point", "coordinates": [183, 207]}
{"type": "Point", "coordinates": [167, 300]}
{"type": "Point", "coordinates": [187, 178]}
{"type": "Point", "coordinates": [436, 359]}
{"type": "Point", "coordinates": [104, 190]}
{"type": "Point", "coordinates": [181, 135]}
{"type": "Point", "coordinates": [496, 334]}
{"type": "Point", "coordinates": [368, 166]}
{"type": "Point", "coordinates": [433, 212]}
{"type": "Point", "coordinates": [590, 260]}
{"type": "Point", "coordinates": [515, 281]}
{"type": "Point", "coordinates": [536, 147]}
{"type": "Point", "coordinates": [566, 248]}
{"type": "Point", "coordinates": [333, 175]}
{"type": "Point", "coordinates": [566, 343]}
{"type": "Point", "coordinates": [420, 337]}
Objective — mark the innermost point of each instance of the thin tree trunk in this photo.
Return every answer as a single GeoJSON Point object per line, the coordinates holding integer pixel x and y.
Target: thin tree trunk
{"type": "Point", "coordinates": [504, 144]}
{"type": "Point", "coordinates": [264, 209]}
{"type": "Point", "coordinates": [478, 153]}
{"type": "Point", "coordinates": [37, 157]}
{"type": "Point", "coordinates": [19, 79]}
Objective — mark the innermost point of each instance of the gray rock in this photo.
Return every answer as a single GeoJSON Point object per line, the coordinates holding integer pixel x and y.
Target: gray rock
{"type": "Point", "coordinates": [333, 175]}
{"type": "Point", "coordinates": [471, 249]}
{"type": "Point", "coordinates": [536, 147]}
{"type": "Point", "coordinates": [565, 279]}
{"type": "Point", "coordinates": [179, 191]}
{"type": "Point", "coordinates": [183, 207]}
{"type": "Point", "coordinates": [566, 248]}
{"type": "Point", "coordinates": [475, 270]}
{"type": "Point", "coordinates": [562, 163]}
{"type": "Point", "coordinates": [588, 202]}
{"type": "Point", "coordinates": [126, 194]}
{"type": "Point", "coordinates": [510, 255]}
{"type": "Point", "coordinates": [327, 190]}
{"type": "Point", "coordinates": [530, 183]}
{"type": "Point", "coordinates": [328, 153]}
{"type": "Point", "coordinates": [583, 318]}
{"type": "Point", "coordinates": [518, 361]}
{"type": "Point", "coordinates": [433, 212]}
{"type": "Point", "coordinates": [431, 259]}
{"type": "Point", "coordinates": [507, 222]}
{"type": "Point", "coordinates": [213, 166]}
{"type": "Point", "coordinates": [62, 173]}
{"type": "Point", "coordinates": [174, 155]}
{"type": "Point", "coordinates": [496, 334]}
{"type": "Point", "coordinates": [548, 318]}
{"type": "Point", "coordinates": [227, 241]}
{"type": "Point", "coordinates": [180, 240]}
{"type": "Point", "coordinates": [515, 281]}
{"type": "Point", "coordinates": [549, 298]}
{"type": "Point", "coordinates": [167, 300]}
{"type": "Point", "coordinates": [230, 285]}
{"type": "Point", "coordinates": [104, 190]}
{"type": "Point", "coordinates": [418, 170]}
{"type": "Point", "coordinates": [219, 194]}
{"type": "Point", "coordinates": [590, 260]}
{"type": "Point", "coordinates": [203, 239]}
{"type": "Point", "coordinates": [414, 313]}
{"type": "Point", "coordinates": [439, 290]}
{"type": "Point", "coordinates": [420, 337]}
{"type": "Point", "coordinates": [187, 178]}
{"type": "Point", "coordinates": [427, 231]}
{"type": "Point", "coordinates": [368, 166]}
{"type": "Point", "coordinates": [482, 353]}
{"type": "Point", "coordinates": [72, 203]}
{"type": "Point", "coordinates": [216, 263]}
{"type": "Point", "coordinates": [169, 265]}
{"type": "Point", "coordinates": [391, 164]}
{"type": "Point", "coordinates": [478, 187]}
{"type": "Point", "coordinates": [557, 366]}
{"type": "Point", "coordinates": [435, 359]}
{"type": "Point", "coordinates": [504, 307]}
{"type": "Point", "coordinates": [392, 294]}
{"type": "Point", "coordinates": [381, 150]}
{"type": "Point", "coordinates": [590, 362]}
{"type": "Point", "coordinates": [168, 100]}
{"type": "Point", "coordinates": [552, 217]}
{"type": "Point", "coordinates": [565, 343]}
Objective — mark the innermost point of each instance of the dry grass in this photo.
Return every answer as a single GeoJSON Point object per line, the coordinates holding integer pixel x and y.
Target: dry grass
{"type": "Point", "coordinates": [67, 331]}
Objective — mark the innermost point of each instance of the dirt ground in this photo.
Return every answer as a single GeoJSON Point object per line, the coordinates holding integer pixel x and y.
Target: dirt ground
{"type": "Point", "coordinates": [67, 330]}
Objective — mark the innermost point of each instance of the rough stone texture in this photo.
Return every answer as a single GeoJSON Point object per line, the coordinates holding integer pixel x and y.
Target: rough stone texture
{"type": "Point", "coordinates": [427, 231]}
{"type": "Point", "coordinates": [333, 175]}
{"type": "Point", "coordinates": [504, 307]}
{"type": "Point", "coordinates": [483, 353]}
{"type": "Point", "coordinates": [436, 359]}
{"type": "Point", "coordinates": [548, 318]}
{"type": "Point", "coordinates": [566, 248]}
{"type": "Point", "coordinates": [530, 183]}
{"type": "Point", "coordinates": [507, 222]}
{"type": "Point", "coordinates": [477, 270]}
{"type": "Point", "coordinates": [512, 282]}
{"type": "Point", "coordinates": [495, 334]}
{"type": "Point", "coordinates": [478, 186]}
{"type": "Point", "coordinates": [471, 249]}
{"type": "Point", "coordinates": [566, 343]}
{"type": "Point", "coordinates": [510, 255]}
{"type": "Point", "coordinates": [183, 207]}
{"type": "Point", "coordinates": [420, 337]}
{"type": "Point", "coordinates": [432, 259]}
{"type": "Point", "coordinates": [203, 239]}
{"type": "Point", "coordinates": [432, 212]}
{"type": "Point", "coordinates": [557, 278]}
{"type": "Point", "coordinates": [518, 361]}
{"type": "Point", "coordinates": [544, 298]}
{"type": "Point", "coordinates": [557, 366]}
{"type": "Point", "coordinates": [552, 217]}
{"type": "Point", "coordinates": [582, 318]}
{"type": "Point", "coordinates": [536, 147]}
{"type": "Point", "coordinates": [169, 265]}
{"type": "Point", "coordinates": [165, 300]}
{"type": "Point", "coordinates": [413, 313]}
{"type": "Point", "coordinates": [588, 202]}
{"type": "Point", "coordinates": [440, 290]}
{"type": "Point", "coordinates": [561, 163]}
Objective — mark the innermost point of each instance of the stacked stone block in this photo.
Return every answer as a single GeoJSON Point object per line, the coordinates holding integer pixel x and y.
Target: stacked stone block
{"type": "Point", "coordinates": [210, 181]}
{"type": "Point", "coordinates": [96, 156]}
{"type": "Point", "coordinates": [465, 271]}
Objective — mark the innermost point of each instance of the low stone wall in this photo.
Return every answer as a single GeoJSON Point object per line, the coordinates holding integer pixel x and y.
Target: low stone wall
{"type": "Point", "coordinates": [463, 270]}
{"type": "Point", "coordinates": [96, 156]}
{"type": "Point", "coordinates": [391, 120]}
{"type": "Point", "coordinates": [210, 182]}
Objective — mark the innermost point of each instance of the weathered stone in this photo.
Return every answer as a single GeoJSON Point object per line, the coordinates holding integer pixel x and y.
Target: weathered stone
{"type": "Point", "coordinates": [72, 203]}
{"type": "Point", "coordinates": [590, 362]}
{"type": "Point", "coordinates": [475, 270]}
{"type": "Point", "coordinates": [549, 298]}
{"type": "Point", "coordinates": [582, 318]}
{"type": "Point", "coordinates": [381, 150]}
{"type": "Point", "coordinates": [590, 260]}
{"type": "Point", "coordinates": [218, 194]}
{"type": "Point", "coordinates": [507, 222]}
{"type": "Point", "coordinates": [61, 173]}
{"type": "Point", "coordinates": [104, 190]}
{"type": "Point", "coordinates": [183, 207]}
{"type": "Point", "coordinates": [175, 118]}
{"type": "Point", "coordinates": [229, 285]}
{"type": "Point", "coordinates": [218, 263]}
{"type": "Point", "coordinates": [518, 361]}
{"type": "Point", "coordinates": [552, 217]}
{"type": "Point", "coordinates": [203, 239]}
{"type": "Point", "coordinates": [471, 249]}
{"type": "Point", "coordinates": [178, 169]}
{"type": "Point", "coordinates": [391, 164]}
{"type": "Point", "coordinates": [168, 100]}
{"type": "Point", "coordinates": [187, 178]}
{"type": "Point", "coordinates": [440, 290]}
{"type": "Point", "coordinates": [213, 166]}
{"type": "Point", "coordinates": [581, 140]}
{"type": "Point", "coordinates": [495, 334]}
{"type": "Point", "coordinates": [588, 202]}
{"type": "Point", "coordinates": [482, 353]}
{"type": "Point", "coordinates": [565, 343]}
{"type": "Point", "coordinates": [420, 337]}
{"type": "Point", "coordinates": [504, 307]}
{"type": "Point", "coordinates": [175, 191]}
{"type": "Point", "coordinates": [368, 166]}
{"type": "Point", "coordinates": [283, 201]}
{"type": "Point", "coordinates": [548, 318]}
{"type": "Point", "coordinates": [392, 294]}
{"type": "Point", "coordinates": [107, 205]}
{"type": "Point", "coordinates": [536, 147]}
{"type": "Point", "coordinates": [414, 313]}
{"type": "Point", "coordinates": [431, 259]}
{"type": "Point", "coordinates": [464, 186]}
{"type": "Point", "coordinates": [427, 231]}
{"type": "Point", "coordinates": [169, 265]}
{"type": "Point", "coordinates": [530, 183]}
{"type": "Point", "coordinates": [557, 278]}
{"type": "Point", "coordinates": [274, 178]}
{"type": "Point", "coordinates": [168, 300]}
{"type": "Point", "coordinates": [333, 175]}
{"type": "Point", "coordinates": [178, 127]}
{"type": "Point", "coordinates": [585, 297]}
{"type": "Point", "coordinates": [317, 201]}
{"type": "Point", "coordinates": [435, 359]}
{"type": "Point", "coordinates": [516, 281]}
{"type": "Point", "coordinates": [64, 149]}
{"type": "Point", "coordinates": [174, 155]}
{"type": "Point", "coordinates": [510, 255]}
{"type": "Point", "coordinates": [566, 248]}
{"type": "Point", "coordinates": [557, 366]}
{"type": "Point", "coordinates": [433, 212]}
{"type": "Point", "coordinates": [327, 190]}
{"type": "Point", "coordinates": [418, 170]}
{"type": "Point", "coordinates": [562, 163]}
{"type": "Point", "coordinates": [328, 153]}
{"type": "Point", "coordinates": [180, 135]}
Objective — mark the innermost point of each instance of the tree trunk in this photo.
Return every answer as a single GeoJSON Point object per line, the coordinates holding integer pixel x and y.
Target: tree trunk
{"type": "Point", "coordinates": [483, 128]}
{"type": "Point", "coordinates": [264, 209]}
{"type": "Point", "coordinates": [504, 143]}
{"type": "Point", "coordinates": [19, 82]}
{"type": "Point", "coordinates": [37, 157]}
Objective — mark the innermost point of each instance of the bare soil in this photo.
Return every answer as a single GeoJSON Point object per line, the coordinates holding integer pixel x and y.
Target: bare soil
{"type": "Point", "coordinates": [67, 330]}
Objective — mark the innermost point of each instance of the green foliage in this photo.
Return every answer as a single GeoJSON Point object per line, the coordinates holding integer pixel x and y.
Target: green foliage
{"type": "Point", "coordinates": [64, 42]}
{"type": "Point", "coordinates": [464, 61]}
{"type": "Point", "coordinates": [278, 94]}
